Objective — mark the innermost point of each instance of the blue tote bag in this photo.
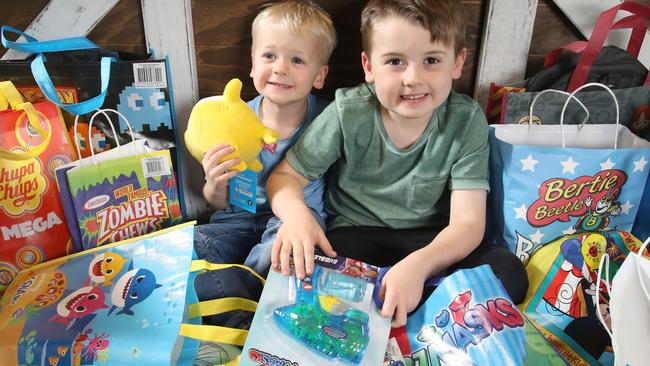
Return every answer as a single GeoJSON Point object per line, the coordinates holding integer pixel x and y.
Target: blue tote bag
{"type": "Point", "coordinates": [553, 180]}
{"type": "Point", "coordinates": [128, 303]}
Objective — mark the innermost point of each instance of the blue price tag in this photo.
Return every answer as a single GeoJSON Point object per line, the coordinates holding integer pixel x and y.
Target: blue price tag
{"type": "Point", "coordinates": [243, 190]}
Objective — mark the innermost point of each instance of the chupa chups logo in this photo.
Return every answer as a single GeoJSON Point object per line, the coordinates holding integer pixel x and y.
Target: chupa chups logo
{"type": "Point", "coordinates": [266, 359]}
{"type": "Point", "coordinates": [21, 186]}
{"type": "Point", "coordinates": [462, 325]}
{"type": "Point", "coordinates": [142, 213]}
{"type": "Point", "coordinates": [561, 198]}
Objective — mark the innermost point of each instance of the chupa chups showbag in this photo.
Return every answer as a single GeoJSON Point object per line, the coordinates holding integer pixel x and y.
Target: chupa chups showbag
{"type": "Point", "coordinates": [553, 180]}
{"type": "Point", "coordinates": [124, 198]}
{"type": "Point", "coordinates": [33, 143]}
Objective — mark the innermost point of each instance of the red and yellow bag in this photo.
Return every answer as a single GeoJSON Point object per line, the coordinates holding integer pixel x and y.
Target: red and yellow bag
{"type": "Point", "coordinates": [33, 143]}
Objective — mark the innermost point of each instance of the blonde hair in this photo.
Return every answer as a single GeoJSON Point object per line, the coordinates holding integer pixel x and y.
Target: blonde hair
{"type": "Point", "coordinates": [442, 18]}
{"type": "Point", "coordinates": [299, 17]}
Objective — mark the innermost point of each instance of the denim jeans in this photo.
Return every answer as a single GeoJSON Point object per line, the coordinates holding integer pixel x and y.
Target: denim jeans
{"type": "Point", "coordinates": [236, 239]}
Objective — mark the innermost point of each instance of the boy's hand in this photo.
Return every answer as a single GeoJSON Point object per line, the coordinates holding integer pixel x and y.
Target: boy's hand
{"type": "Point", "coordinates": [401, 288]}
{"type": "Point", "coordinates": [299, 236]}
{"type": "Point", "coordinates": [218, 174]}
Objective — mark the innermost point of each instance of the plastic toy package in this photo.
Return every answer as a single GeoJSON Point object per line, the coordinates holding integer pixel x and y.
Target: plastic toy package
{"type": "Point", "coordinates": [328, 318]}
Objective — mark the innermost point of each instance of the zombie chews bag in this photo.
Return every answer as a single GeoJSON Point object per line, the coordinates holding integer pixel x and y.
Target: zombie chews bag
{"type": "Point", "coordinates": [124, 198]}
{"type": "Point", "coordinates": [541, 191]}
{"type": "Point", "coordinates": [470, 320]}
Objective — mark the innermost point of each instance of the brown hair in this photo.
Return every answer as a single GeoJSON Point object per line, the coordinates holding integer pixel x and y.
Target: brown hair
{"type": "Point", "coordinates": [299, 17]}
{"type": "Point", "coordinates": [442, 18]}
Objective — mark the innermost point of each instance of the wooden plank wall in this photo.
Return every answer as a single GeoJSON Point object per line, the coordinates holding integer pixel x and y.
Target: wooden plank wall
{"type": "Point", "coordinates": [222, 38]}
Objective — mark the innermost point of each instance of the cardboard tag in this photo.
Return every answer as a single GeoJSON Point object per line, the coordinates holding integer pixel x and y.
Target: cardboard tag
{"type": "Point", "coordinates": [243, 190]}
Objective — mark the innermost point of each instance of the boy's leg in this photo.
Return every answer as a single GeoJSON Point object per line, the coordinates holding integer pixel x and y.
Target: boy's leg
{"type": "Point", "coordinates": [385, 247]}
{"type": "Point", "coordinates": [505, 265]}
{"type": "Point", "coordinates": [259, 259]}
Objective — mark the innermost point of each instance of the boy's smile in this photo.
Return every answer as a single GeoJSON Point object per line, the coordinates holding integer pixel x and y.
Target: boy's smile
{"type": "Point", "coordinates": [286, 67]}
{"type": "Point", "coordinates": [412, 75]}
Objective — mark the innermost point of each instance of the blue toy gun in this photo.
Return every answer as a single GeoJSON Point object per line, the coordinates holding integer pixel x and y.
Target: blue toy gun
{"type": "Point", "coordinates": [338, 337]}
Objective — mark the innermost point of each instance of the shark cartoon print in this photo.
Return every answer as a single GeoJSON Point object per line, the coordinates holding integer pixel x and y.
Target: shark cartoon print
{"type": "Point", "coordinates": [81, 302]}
{"type": "Point", "coordinates": [104, 267]}
{"type": "Point", "coordinates": [132, 288]}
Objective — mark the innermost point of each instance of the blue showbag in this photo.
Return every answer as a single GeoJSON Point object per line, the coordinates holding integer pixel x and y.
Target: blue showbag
{"type": "Point", "coordinates": [127, 303]}
{"type": "Point", "coordinates": [470, 320]}
{"type": "Point", "coordinates": [541, 191]}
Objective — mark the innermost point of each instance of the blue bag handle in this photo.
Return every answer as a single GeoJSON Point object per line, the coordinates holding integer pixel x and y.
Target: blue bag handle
{"type": "Point", "coordinates": [40, 74]}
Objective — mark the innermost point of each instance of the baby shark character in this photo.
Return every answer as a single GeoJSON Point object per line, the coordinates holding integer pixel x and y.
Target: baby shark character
{"type": "Point", "coordinates": [104, 267]}
{"type": "Point", "coordinates": [132, 288]}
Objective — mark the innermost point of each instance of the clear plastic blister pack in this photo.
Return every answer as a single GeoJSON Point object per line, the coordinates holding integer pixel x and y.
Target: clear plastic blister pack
{"type": "Point", "coordinates": [328, 317]}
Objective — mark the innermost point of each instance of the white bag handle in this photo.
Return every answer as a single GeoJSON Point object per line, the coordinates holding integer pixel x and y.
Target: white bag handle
{"type": "Point", "coordinates": [103, 111]}
{"type": "Point", "coordinates": [572, 95]}
{"type": "Point", "coordinates": [604, 259]}
{"type": "Point", "coordinates": [76, 136]}
{"type": "Point", "coordinates": [569, 96]}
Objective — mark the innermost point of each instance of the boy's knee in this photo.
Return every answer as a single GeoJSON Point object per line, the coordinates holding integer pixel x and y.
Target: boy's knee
{"type": "Point", "coordinates": [512, 273]}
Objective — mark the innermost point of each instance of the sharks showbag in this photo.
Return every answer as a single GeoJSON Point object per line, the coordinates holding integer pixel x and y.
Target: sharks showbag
{"type": "Point", "coordinates": [565, 294]}
{"type": "Point", "coordinates": [553, 180]}
{"type": "Point", "coordinates": [128, 303]}
{"type": "Point", "coordinates": [470, 320]}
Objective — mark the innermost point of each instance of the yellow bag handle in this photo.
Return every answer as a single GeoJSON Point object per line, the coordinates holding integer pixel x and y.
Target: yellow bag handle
{"type": "Point", "coordinates": [9, 96]}
{"type": "Point", "coordinates": [219, 306]}
{"type": "Point", "coordinates": [203, 265]}
{"type": "Point", "coordinates": [214, 333]}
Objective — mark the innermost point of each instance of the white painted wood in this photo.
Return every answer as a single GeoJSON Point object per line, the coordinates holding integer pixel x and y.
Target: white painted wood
{"type": "Point", "coordinates": [169, 32]}
{"type": "Point", "coordinates": [63, 19]}
{"type": "Point", "coordinates": [584, 13]}
{"type": "Point", "coordinates": [505, 44]}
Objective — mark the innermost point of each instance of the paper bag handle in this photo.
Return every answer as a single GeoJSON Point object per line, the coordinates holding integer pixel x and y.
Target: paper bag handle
{"type": "Point", "coordinates": [90, 127]}
{"type": "Point", "coordinates": [572, 95]}
{"type": "Point", "coordinates": [604, 259]}
{"type": "Point", "coordinates": [12, 98]}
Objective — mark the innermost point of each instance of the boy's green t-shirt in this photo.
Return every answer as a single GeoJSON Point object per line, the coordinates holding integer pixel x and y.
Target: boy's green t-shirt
{"type": "Point", "coordinates": [374, 183]}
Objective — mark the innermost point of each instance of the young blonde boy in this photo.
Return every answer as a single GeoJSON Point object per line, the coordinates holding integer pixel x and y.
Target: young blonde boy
{"type": "Point", "coordinates": [292, 42]}
{"type": "Point", "coordinates": [407, 160]}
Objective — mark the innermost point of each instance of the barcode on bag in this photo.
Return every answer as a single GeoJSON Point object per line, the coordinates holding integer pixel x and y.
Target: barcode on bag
{"type": "Point", "coordinates": [155, 166]}
{"type": "Point", "coordinates": [149, 75]}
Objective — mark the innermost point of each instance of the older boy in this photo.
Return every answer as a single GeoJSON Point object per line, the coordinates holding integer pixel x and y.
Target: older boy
{"type": "Point", "coordinates": [408, 160]}
{"type": "Point", "coordinates": [292, 42]}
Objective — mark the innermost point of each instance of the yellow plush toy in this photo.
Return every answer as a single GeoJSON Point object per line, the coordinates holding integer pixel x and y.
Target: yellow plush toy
{"type": "Point", "coordinates": [228, 121]}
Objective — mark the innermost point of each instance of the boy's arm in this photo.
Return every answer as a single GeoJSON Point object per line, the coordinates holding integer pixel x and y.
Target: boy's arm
{"type": "Point", "coordinates": [402, 285]}
{"type": "Point", "coordinates": [299, 231]}
{"type": "Point", "coordinates": [217, 175]}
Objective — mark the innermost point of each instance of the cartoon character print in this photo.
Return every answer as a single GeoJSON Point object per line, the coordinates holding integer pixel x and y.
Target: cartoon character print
{"type": "Point", "coordinates": [90, 350]}
{"type": "Point", "coordinates": [104, 267]}
{"type": "Point", "coordinates": [144, 107]}
{"type": "Point", "coordinates": [34, 293]}
{"type": "Point", "coordinates": [573, 292]}
{"type": "Point", "coordinates": [597, 218]}
{"type": "Point", "coordinates": [641, 120]}
{"type": "Point", "coordinates": [132, 288]}
{"type": "Point", "coordinates": [97, 139]}
{"type": "Point", "coordinates": [80, 303]}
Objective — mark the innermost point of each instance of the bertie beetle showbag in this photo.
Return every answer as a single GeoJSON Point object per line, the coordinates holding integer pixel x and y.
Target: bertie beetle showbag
{"type": "Point", "coordinates": [552, 180]}
{"type": "Point", "coordinates": [328, 318]}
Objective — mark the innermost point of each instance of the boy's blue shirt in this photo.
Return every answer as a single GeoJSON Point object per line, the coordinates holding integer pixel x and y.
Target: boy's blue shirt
{"type": "Point", "coordinates": [271, 155]}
